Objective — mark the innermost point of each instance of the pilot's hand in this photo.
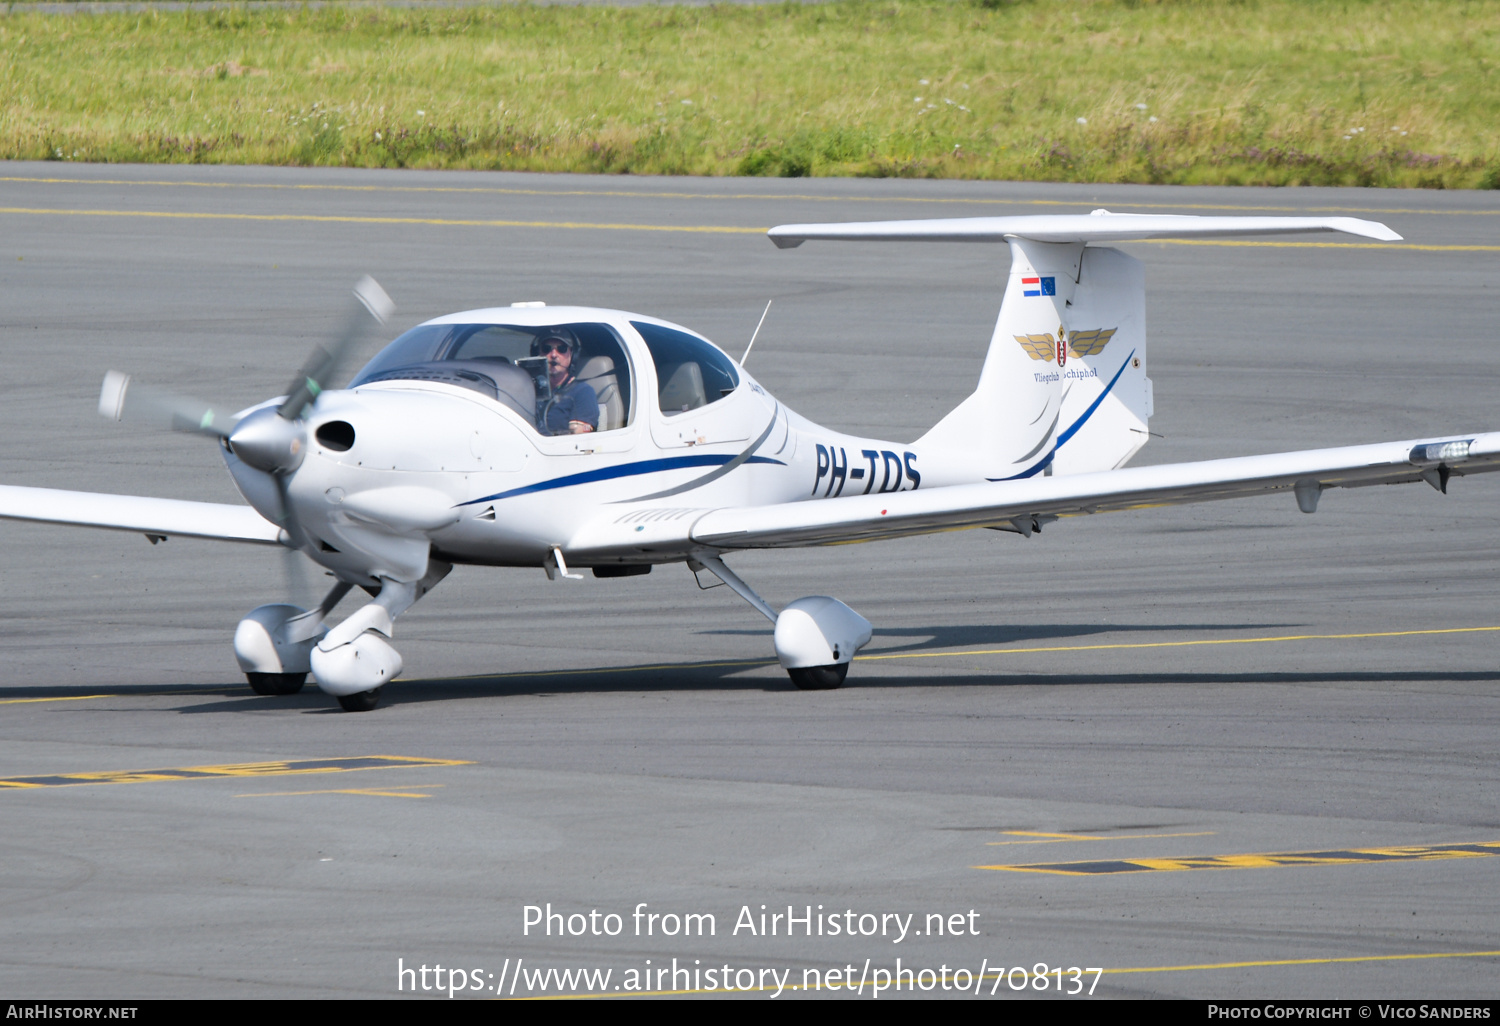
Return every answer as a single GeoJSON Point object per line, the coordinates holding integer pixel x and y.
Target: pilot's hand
{"type": "Point", "coordinates": [579, 427]}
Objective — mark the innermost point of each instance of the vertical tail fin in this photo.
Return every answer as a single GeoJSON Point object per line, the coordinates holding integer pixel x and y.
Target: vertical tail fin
{"type": "Point", "coordinates": [1106, 393]}
{"type": "Point", "coordinates": [1064, 388]}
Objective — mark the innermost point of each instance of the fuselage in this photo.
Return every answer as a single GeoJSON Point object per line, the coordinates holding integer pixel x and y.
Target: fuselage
{"type": "Point", "coordinates": [441, 454]}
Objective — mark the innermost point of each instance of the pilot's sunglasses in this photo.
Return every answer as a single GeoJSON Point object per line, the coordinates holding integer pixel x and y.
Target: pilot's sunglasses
{"type": "Point", "coordinates": [548, 348]}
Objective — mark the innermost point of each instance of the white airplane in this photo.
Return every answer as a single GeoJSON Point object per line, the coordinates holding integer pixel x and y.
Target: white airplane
{"type": "Point", "coordinates": [570, 437]}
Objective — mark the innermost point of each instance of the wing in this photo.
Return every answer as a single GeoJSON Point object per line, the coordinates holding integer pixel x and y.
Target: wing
{"type": "Point", "coordinates": [1019, 505]}
{"type": "Point", "coordinates": [155, 518]}
{"type": "Point", "coordinates": [1038, 347]}
{"type": "Point", "coordinates": [1090, 343]}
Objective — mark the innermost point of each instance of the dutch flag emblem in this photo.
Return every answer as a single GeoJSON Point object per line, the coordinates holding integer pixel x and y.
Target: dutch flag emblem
{"type": "Point", "coordinates": [1039, 286]}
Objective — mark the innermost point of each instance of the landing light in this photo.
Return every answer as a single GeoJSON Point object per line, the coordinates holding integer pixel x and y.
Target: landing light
{"type": "Point", "coordinates": [1441, 452]}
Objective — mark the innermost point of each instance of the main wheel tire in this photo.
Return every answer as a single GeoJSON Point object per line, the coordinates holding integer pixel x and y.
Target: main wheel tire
{"type": "Point", "coordinates": [819, 678]}
{"type": "Point", "coordinates": [276, 683]}
{"type": "Point", "coordinates": [362, 701]}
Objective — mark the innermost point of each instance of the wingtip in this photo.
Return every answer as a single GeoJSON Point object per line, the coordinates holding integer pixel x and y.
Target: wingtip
{"type": "Point", "coordinates": [1368, 229]}
{"type": "Point", "coordinates": [112, 395]}
{"type": "Point", "coordinates": [374, 299]}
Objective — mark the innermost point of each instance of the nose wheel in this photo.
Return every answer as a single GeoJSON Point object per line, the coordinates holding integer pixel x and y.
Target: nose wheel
{"type": "Point", "coordinates": [360, 701]}
{"type": "Point", "coordinates": [818, 678]}
{"type": "Point", "coordinates": [276, 683]}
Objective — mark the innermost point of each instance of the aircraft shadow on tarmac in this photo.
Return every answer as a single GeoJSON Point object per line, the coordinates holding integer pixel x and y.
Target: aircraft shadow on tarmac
{"type": "Point", "coordinates": [702, 679]}
{"type": "Point", "coordinates": [729, 675]}
{"type": "Point", "coordinates": [971, 635]}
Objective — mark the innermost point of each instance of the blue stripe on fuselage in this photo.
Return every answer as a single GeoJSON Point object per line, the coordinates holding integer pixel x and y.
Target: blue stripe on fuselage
{"type": "Point", "coordinates": [623, 470]}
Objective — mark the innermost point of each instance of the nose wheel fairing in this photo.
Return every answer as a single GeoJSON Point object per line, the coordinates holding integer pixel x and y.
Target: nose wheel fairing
{"type": "Point", "coordinates": [356, 657]}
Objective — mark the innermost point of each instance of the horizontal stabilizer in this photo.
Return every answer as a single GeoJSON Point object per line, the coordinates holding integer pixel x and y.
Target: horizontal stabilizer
{"type": "Point", "coordinates": [1100, 226]}
{"type": "Point", "coordinates": [155, 518]}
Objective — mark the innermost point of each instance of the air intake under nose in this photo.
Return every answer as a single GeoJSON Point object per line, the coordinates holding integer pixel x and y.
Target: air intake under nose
{"type": "Point", "coordinates": [337, 435]}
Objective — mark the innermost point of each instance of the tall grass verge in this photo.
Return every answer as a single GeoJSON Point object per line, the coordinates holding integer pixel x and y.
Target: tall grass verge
{"type": "Point", "coordinates": [1313, 92]}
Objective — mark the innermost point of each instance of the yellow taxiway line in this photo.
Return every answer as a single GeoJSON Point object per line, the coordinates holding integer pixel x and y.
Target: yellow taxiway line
{"type": "Point", "coordinates": [1041, 838]}
{"type": "Point", "coordinates": [663, 194]}
{"type": "Point", "coordinates": [740, 664]}
{"type": "Point", "coordinates": [281, 768]}
{"type": "Point", "coordinates": [370, 791]}
{"type": "Point", "coordinates": [64, 698]}
{"type": "Point", "coordinates": [1304, 961]}
{"type": "Point", "coordinates": [1261, 860]}
{"type": "Point", "coordinates": [1172, 644]}
{"type": "Point", "coordinates": [449, 222]}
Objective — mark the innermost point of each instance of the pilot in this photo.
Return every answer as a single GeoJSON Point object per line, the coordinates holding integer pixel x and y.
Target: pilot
{"type": "Point", "coordinates": [573, 407]}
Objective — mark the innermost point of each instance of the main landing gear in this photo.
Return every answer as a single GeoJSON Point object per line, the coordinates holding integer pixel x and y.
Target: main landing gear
{"type": "Point", "coordinates": [278, 645]}
{"type": "Point", "coordinates": [816, 637]}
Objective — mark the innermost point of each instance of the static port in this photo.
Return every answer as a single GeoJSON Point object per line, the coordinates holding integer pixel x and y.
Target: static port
{"type": "Point", "coordinates": [337, 435]}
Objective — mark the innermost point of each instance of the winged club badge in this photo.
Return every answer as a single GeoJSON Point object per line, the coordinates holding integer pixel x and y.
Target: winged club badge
{"type": "Point", "coordinates": [1081, 343]}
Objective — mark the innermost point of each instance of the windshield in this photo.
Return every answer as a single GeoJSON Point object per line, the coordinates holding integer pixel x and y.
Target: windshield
{"type": "Point", "coordinates": [562, 378]}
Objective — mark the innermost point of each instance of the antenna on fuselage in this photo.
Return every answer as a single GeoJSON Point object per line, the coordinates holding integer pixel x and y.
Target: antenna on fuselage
{"type": "Point", "coordinates": [756, 333]}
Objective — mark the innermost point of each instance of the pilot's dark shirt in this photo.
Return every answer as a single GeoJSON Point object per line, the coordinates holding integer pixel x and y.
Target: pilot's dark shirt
{"type": "Point", "coordinates": [576, 400]}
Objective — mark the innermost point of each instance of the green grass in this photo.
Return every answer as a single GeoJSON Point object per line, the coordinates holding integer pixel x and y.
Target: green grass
{"type": "Point", "coordinates": [1325, 92]}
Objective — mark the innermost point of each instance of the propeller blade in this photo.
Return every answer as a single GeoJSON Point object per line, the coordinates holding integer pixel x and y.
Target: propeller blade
{"type": "Point", "coordinates": [323, 366]}
{"type": "Point", "coordinates": [299, 590]}
{"type": "Point", "coordinates": [121, 397]}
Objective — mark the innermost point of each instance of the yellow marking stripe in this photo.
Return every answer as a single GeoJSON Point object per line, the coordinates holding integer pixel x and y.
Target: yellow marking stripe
{"type": "Point", "coordinates": [65, 698]}
{"type": "Point", "coordinates": [1060, 838]}
{"type": "Point", "coordinates": [1304, 961]}
{"type": "Point", "coordinates": [745, 663]}
{"type": "Point", "coordinates": [939, 200]}
{"type": "Point", "coordinates": [1174, 644]}
{"type": "Point", "coordinates": [244, 769]}
{"type": "Point", "coordinates": [1347, 856]}
{"type": "Point", "coordinates": [606, 670]}
{"type": "Point", "coordinates": [407, 793]}
{"type": "Point", "coordinates": [603, 670]}
{"type": "Point", "coordinates": [1036, 833]}
{"type": "Point", "coordinates": [352, 219]}
{"type": "Point", "coordinates": [612, 226]}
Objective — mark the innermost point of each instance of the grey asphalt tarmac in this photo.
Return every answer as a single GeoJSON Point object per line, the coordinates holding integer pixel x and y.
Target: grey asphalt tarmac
{"type": "Point", "coordinates": [1182, 685]}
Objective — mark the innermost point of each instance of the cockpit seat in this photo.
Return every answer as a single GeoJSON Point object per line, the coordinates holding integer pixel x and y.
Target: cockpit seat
{"type": "Point", "coordinates": [599, 372]}
{"type": "Point", "coordinates": [682, 388]}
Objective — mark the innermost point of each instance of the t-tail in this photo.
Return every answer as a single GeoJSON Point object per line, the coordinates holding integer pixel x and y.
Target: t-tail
{"type": "Point", "coordinates": [1064, 387]}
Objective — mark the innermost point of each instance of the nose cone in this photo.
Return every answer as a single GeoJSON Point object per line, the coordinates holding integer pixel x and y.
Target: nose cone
{"type": "Point", "coordinates": [269, 442]}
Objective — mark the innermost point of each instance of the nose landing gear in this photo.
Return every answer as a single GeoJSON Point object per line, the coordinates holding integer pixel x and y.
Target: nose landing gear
{"type": "Point", "coordinates": [355, 660]}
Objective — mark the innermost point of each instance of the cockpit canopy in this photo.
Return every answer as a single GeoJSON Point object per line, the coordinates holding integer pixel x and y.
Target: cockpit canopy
{"type": "Point", "coordinates": [505, 362]}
